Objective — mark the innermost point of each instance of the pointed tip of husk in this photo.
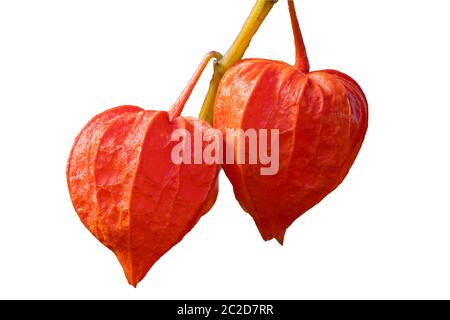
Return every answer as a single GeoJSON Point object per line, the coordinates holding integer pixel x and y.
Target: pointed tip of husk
{"type": "Point", "coordinates": [135, 284]}
{"type": "Point", "coordinates": [280, 237]}
{"type": "Point", "coordinates": [133, 280]}
{"type": "Point", "coordinates": [280, 240]}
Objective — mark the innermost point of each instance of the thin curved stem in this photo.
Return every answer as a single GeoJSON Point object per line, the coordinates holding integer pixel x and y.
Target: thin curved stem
{"type": "Point", "coordinates": [177, 108]}
{"type": "Point", "coordinates": [235, 53]}
{"type": "Point", "coordinates": [301, 56]}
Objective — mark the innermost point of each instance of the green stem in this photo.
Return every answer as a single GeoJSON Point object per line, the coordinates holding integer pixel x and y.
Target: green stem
{"type": "Point", "coordinates": [235, 54]}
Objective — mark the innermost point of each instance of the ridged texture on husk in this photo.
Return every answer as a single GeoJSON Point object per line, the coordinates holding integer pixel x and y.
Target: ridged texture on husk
{"type": "Point", "coordinates": [127, 191]}
{"type": "Point", "coordinates": [322, 117]}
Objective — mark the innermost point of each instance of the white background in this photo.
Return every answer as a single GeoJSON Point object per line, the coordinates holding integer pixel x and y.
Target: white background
{"type": "Point", "coordinates": [385, 233]}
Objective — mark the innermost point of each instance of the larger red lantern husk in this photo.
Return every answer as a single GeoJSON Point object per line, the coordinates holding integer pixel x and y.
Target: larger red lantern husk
{"type": "Point", "coordinates": [322, 118]}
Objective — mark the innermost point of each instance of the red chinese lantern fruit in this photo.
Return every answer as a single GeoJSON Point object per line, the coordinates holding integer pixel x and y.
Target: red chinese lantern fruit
{"type": "Point", "coordinates": [322, 118]}
{"type": "Point", "coordinates": [126, 189]}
